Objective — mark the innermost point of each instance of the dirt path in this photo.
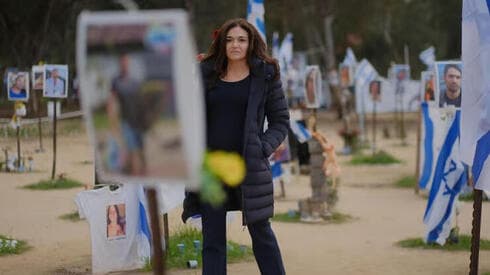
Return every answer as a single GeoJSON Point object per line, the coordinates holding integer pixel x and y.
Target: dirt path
{"type": "Point", "coordinates": [383, 215]}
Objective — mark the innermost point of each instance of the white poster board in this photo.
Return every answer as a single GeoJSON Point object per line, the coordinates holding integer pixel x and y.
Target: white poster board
{"type": "Point", "coordinates": [18, 86]}
{"type": "Point", "coordinates": [142, 96]}
{"type": "Point", "coordinates": [313, 86]}
{"type": "Point", "coordinates": [55, 83]}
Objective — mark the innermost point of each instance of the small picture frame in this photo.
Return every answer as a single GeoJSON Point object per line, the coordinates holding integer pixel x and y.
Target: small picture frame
{"type": "Point", "coordinates": [18, 86]}
{"type": "Point", "coordinates": [313, 86]}
{"type": "Point", "coordinates": [55, 81]}
{"type": "Point", "coordinates": [448, 83]}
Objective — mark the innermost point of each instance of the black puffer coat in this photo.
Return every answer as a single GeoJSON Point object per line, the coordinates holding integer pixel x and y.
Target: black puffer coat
{"type": "Point", "coordinates": [266, 99]}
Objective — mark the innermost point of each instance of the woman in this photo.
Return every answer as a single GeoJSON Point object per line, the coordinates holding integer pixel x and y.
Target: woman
{"type": "Point", "coordinates": [18, 91]}
{"type": "Point", "coordinates": [242, 88]}
{"type": "Point", "coordinates": [114, 225]}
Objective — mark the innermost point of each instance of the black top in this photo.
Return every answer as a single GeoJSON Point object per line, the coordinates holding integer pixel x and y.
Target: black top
{"type": "Point", "coordinates": [226, 107]}
{"type": "Point", "coordinates": [445, 100]}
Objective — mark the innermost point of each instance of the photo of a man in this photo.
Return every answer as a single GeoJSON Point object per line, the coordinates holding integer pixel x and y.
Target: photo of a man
{"type": "Point", "coordinates": [56, 79]}
{"type": "Point", "coordinates": [449, 84]}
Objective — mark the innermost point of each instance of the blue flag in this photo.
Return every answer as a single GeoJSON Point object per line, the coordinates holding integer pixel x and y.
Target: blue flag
{"type": "Point", "coordinates": [449, 178]}
{"type": "Point", "coordinates": [475, 103]}
{"type": "Point", "coordinates": [255, 15]}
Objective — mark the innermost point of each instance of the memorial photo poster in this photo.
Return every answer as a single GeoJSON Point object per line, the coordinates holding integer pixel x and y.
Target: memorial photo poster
{"type": "Point", "coordinates": [313, 86]}
{"type": "Point", "coordinates": [18, 86]}
{"type": "Point", "coordinates": [137, 91]}
{"type": "Point", "coordinates": [448, 76]}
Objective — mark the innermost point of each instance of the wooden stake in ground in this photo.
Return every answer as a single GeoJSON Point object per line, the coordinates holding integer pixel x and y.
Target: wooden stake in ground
{"type": "Point", "coordinates": [475, 231]}
{"type": "Point", "coordinates": [53, 171]}
{"type": "Point", "coordinates": [18, 144]}
{"type": "Point", "coordinates": [374, 127]}
{"type": "Point", "coordinates": [158, 261]}
{"type": "Point", "coordinates": [417, 158]}
{"type": "Point", "coordinates": [166, 233]}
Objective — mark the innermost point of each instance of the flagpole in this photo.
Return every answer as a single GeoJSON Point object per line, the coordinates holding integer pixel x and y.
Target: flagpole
{"type": "Point", "coordinates": [475, 231]}
{"type": "Point", "coordinates": [417, 162]}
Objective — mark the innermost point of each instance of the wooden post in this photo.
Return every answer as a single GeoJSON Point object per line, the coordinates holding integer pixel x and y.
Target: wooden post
{"type": "Point", "coordinates": [166, 233]}
{"type": "Point", "coordinates": [158, 261]}
{"type": "Point", "coordinates": [475, 231]}
{"type": "Point", "coordinates": [40, 132]}
{"type": "Point", "coordinates": [417, 158]}
{"type": "Point", "coordinates": [374, 127]}
{"type": "Point", "coordinates": [53, 171]}
{"type": "Point", "coordinates": [18, 143]}
{"type": "Point", "coordinates": [283, 189]}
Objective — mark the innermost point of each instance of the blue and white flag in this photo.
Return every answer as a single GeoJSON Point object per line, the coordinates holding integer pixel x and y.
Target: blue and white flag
{"type": "Point", "coordinates": [428, 56]}
{"type": "Point", "coordinates": [449, 178]}
{"type": "Point", "coordinates": [350, 59]}
{"type": "Point", "coordinates": [286, 50]}
{"type": "Point", "coordinates": [475, 103]}
{"type": "Point", "coordinates": [276, 170]}
{"type": "Point", "coordinates": [144, 247]}
{"type": "Point", "coordinates": [365, 73]}
{"type": "Point", "coordinates": [300, 132]}
{"type": "Point", "coordinates": [255, 15]}
{"type": "Point", "coordinates": [435, 126]}
{"type": "Point", "coordinates": [275, 45]}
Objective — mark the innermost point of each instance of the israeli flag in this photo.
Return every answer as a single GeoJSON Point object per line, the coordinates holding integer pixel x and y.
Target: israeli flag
{"type": "Point", "coordinates": [475, 103]}
{"type": "Point", "coordinates": [449, 177]}
{"type": "Point", "coordinates": [428, 56]}
{"type": "Point", "coordinates": [365, 73]}
{"type": "Point", "coordinates": [350, 58]}
{"type": "Point", "coordinates": [255, 15]}
{"type": "Point", "coordinates": [144, 235]}
{"type": "Point", "coordinates": [435, 126]}
{"type": "Point", "coordinates": [275, 45]}
{"type": "Point", "coordinates": [276, 170]}
{"type": "Point", "coordinates": [300, 132]}
{"type": "Point", "coordinates": [286, 50]}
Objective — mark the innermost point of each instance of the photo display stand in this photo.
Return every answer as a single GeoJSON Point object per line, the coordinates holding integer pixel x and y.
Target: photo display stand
{"type": "Point", "coordinates": [18, 91]}
{"type": "Point", "coordinates": [143, 102]}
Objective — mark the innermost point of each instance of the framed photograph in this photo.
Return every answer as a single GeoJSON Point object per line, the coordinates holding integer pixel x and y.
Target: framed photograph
{"type": "Point", "coordinates": [400, 72]}
{"type": "Point", "coordinates": [346, 75]}
{"type": "Point", "coordinates": [448, 76]}
{"type": "Point", "coordinates": [55, 81]}
{"type": "Point", "coordinates": [427, 87]}
{"type": "Point", "coordinates": [375, 90]}
{"type": "Point", "coordinates": [18, 86]}
{"type": "Point", "coordinates": [140, 80]}
{"type": "Point", "coordinates": [37, 77]}
{"type": "Point", "coordinates": [313, 86]}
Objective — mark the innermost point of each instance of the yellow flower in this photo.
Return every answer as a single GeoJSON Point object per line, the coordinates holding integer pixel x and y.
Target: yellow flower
{"type": "Point", "coordinates": [229, 167]}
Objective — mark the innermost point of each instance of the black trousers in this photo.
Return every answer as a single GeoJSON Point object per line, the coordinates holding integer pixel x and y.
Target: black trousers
{"type": "Point", "coordinates": [264, 244]}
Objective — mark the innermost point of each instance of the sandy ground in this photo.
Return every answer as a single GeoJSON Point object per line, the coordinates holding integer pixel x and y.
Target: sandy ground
{"type": "Point", "coordinates": [366, 245]}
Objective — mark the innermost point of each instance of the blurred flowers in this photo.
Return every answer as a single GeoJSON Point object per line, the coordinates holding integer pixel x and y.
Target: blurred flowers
{"type": "Point", "coordinates": [220, 166]}
{"type": "Point", "coordinates": [228, 167]}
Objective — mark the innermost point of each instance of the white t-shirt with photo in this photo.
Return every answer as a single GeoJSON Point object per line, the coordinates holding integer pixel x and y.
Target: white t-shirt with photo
{"type": "Point", "coordinates": [119, 227]}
